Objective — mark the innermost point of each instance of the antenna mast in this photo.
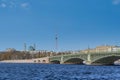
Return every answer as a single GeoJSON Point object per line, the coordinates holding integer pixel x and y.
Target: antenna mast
{"type": "Point", "coordinates": [56, 39]}
{"type": "Point", "coordinates": [24, 46]}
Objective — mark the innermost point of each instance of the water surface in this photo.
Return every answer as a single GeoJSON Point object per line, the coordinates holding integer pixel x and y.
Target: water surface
{"type": "Point", "coordinates": [58, 72]}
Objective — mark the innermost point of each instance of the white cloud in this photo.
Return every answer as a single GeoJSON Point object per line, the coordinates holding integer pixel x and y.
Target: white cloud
{"type": "Point", "coordinates": [14, 4]}
{"type": "Point", "coordinates": [3, 5]}
{"type": "Point", "coordinates": [3, 0]}
{"type": "Point", "coordinates": [116, 2]}
{"type": "Point", "coordinates": [24, 5]}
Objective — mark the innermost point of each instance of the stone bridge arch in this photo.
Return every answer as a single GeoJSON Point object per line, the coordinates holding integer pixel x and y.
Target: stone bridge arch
{"type": "Point", "coordinates": [76, 58]}
{"type": "Point", "coordinates": [73, 61]}
{"type": "Point", "coordinates": [105, 60]}
{"type": "Point", "coordinates": [55, 60]}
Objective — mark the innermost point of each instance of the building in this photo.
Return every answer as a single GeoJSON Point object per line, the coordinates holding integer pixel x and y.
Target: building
{"type": "Point", "coordinates": [115, 49]}
{"type": "Point", "coordinates": [105, 48]}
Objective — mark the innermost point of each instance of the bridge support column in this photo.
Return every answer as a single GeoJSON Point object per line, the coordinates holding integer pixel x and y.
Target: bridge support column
{"type": "Point", "coordinates": [88, 61]}
{"type": "Point", "coordinates": [61, 61]}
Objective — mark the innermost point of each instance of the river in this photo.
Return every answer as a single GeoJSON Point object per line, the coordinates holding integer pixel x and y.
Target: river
{"type": "Point", "coordinates": [58, 72]}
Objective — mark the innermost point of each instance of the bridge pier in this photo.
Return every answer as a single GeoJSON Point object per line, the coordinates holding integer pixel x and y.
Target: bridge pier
{"type": "Point", "coordinates": [61, 61]}
{"type": "Point", "coordinates": [87, 62]}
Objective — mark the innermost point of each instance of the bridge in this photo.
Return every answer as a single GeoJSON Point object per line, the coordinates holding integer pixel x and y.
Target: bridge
{"type": "Point", "coordinates": [104, 58]}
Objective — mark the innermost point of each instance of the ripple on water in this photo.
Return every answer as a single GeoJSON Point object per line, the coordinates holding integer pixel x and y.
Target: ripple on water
{"type": "Point", "coordinates": [58, 72]}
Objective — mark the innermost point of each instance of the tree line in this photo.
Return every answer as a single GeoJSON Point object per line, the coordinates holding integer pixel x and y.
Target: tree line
{"type": "Point", "coordinates": [17, 55]}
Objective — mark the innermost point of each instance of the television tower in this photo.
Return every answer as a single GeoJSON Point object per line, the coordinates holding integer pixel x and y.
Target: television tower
{"type": "Point", "coordinates": [24, 46]}
{"type": "Point", "coordinates": [56, 42]}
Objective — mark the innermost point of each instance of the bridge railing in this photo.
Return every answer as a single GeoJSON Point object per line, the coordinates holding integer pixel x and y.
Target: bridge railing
{"type": "Point", "coordinates": [77, 53]}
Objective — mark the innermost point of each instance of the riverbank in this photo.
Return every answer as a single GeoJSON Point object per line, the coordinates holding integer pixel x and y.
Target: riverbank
{"type": "Point", "coordinates": [18, 61]}
{"type": "Point", "coordinates": [34, 60]}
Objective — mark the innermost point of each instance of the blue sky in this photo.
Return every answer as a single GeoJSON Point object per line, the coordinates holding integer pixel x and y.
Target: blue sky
{"type": "Point", "coordinates": [79, 23]}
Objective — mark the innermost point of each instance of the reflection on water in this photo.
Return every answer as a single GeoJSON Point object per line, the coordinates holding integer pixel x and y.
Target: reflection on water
{"type": "Point", "coordinates": [58, 72]}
